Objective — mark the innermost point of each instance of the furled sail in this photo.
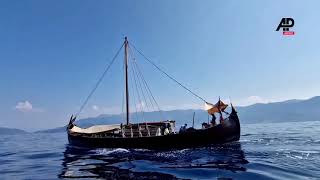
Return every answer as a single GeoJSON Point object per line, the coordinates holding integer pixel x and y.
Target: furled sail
{"type": "Point", "coordinates": [218, 107]}
{"type": "Point", "coordinates": [95, 129]}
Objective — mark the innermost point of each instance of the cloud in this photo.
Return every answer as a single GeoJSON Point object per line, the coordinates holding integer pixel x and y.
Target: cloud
{"type": "Point", "coordinates": [141, 105]}
{"type": "Point", "coordinates": [182, 106]}
{"type": "Point", "coordinates": [256, 99]}
{"type": "Point", "coordinates": [25, 106]}
{"type": "Point", "coordinates": [251, 100]}
{"type": "Point", "coordinates": [95, 107]}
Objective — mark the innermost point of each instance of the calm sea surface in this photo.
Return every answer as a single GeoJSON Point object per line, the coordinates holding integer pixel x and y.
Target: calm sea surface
{"type": "Point", "coordinates": [265, 151]}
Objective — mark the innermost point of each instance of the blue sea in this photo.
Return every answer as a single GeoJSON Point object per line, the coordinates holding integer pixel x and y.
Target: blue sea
{"type": "Point", "coordinates": [265, 151]}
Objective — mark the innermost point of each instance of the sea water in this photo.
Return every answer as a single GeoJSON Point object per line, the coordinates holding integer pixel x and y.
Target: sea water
{"type": "Point", "coordinates": [265, 151]}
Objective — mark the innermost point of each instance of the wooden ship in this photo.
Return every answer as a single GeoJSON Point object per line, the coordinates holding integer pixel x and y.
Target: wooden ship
{"type": "Point", "coordinates": [155, 134]}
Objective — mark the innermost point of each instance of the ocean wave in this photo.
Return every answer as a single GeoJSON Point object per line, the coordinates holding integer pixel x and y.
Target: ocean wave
{"type": "Point", "coordinates": [110, 151]}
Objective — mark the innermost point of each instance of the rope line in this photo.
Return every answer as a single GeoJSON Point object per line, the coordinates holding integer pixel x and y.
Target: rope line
{"type": "Point", "coordinates": [137, 75]}
{"type": "Point", "coordinates": [144, 87]}
{"type": "Point", "coordinates": [141, 89]}
{"type": "Point", "coordinates": [134, 98]}
{"type": "Point", "coordinates": [99, 81]}
{"type": "Point", "coordinates": [170, 77]}
{"type": "Point", "coordinates": [148, 90]}
{"type": "Point", "coordinates": [138, 79]}
{"type": "Point", "coordinates": [137, 90]}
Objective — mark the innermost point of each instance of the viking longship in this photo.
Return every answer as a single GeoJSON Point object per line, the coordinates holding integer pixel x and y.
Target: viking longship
{"type": "Point", "coordinates": [153, 134]}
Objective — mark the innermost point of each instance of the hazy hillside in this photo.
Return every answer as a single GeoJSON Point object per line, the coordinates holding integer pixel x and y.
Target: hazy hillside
{"type": "Point", "coordinates": [286, 111]}
{"type": "Point", "coordinates": [54, 130]}
{"type": "Point", "coordinates": [178, 115]}
{"type": "Point", "coordinates": [11, 131]}
{"type": "Point", "coordinates": [181, 117]}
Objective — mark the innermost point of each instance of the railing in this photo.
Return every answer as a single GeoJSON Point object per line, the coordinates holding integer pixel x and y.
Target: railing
{"type": "Point", "coordinates": [139, 131]}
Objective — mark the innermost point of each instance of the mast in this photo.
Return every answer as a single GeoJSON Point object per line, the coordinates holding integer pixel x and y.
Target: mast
{"type": "Point", "coordinates": [126, 68]}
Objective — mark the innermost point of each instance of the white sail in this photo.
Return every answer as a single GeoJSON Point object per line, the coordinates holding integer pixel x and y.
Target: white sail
{"type": "Point", "coordinates": [95, 129]}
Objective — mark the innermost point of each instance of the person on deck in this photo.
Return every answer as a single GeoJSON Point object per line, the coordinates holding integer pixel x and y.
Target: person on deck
{"type": "Point", "coordinates": [183, 128]}
{"type": "Point", "coordinates": [213, 120]}
{"type": "Point", "coordinates": [158, 133]}
{"type": "Point", "coordinates": [166, 130]}
{"type": "Point", "coordinates": [221, 117]}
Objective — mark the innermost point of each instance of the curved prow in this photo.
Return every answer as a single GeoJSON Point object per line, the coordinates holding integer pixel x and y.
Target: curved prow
{"type": "Point", "coordinates": [71, 121]}
{"type": "Point", "coordinates": [235, 117]}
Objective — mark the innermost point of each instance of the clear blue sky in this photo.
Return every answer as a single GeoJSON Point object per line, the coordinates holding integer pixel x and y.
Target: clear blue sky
{"type": "Point", "coordinates": [52, 52]}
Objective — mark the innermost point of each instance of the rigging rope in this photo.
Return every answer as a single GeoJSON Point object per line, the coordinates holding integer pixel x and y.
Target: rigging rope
{"type": "Point", "coordinates": [134, 98]}
{"type": "Point", "coordinates": [145, 85]}
{"type": "Point", "coordinates": [151, 62]}
{"type": "Point", "coordinates": [138, 77]}
{"type": "Point", "coordinates": [139, 85]}
{"type": "Point", "coordinates": [148, 90]}
{"type": "Point", "coordinates": [137, 90]}
{"type": "Point", "coordinates": [99, 81]}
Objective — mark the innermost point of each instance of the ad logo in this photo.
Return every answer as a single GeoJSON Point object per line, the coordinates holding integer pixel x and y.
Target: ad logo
{"type": "Point", "coordinates": [285, 24]}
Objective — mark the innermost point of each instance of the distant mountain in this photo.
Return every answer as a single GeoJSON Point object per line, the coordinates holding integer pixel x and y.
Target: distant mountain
{"type": "Point", "coordinates": [285, 111]}
{"type": "Point", "coordinates": [178, 115]}
{"type": "Point", "coordinates": [181, 117]}
{"type": "Point", "coordinates": [11, 131]}
{"type": "Point", "coordinates": [54, 130]}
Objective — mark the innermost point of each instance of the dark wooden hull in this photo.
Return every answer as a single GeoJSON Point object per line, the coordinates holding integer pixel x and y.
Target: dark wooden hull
{"type": "Point", "coordinates": [227, 132]}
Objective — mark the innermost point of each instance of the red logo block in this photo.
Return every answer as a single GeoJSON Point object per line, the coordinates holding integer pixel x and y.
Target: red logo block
{"type": "Point", "coordinates": [288, 33]}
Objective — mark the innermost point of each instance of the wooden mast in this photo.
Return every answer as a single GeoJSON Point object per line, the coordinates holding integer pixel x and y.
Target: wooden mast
{"type": "Point", "coordinates": [126, 68]}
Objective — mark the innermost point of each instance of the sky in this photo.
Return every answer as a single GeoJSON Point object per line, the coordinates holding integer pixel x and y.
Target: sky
{"type": "Point", "coordinates": [53, 52]}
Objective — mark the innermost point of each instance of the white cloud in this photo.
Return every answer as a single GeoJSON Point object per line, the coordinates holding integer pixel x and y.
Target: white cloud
{"type": "Point", "coordinates": [251, 100]}
{"type": "Point", "coordinates": [256, 99]}
{"type": "Point", "coordinates": [182, 106]}
{"type": "Point", "coordinates": [95, 107]}
{"type": "Point", "coordinates": [25, 106]}
{"type": "Point", "coordinates": [97, 110]}
{"type": "Point", "coordinates": [141, 105]}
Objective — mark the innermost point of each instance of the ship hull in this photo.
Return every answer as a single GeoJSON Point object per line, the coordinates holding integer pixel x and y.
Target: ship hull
{"type": "Point", "coordinates": [228, 131]}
